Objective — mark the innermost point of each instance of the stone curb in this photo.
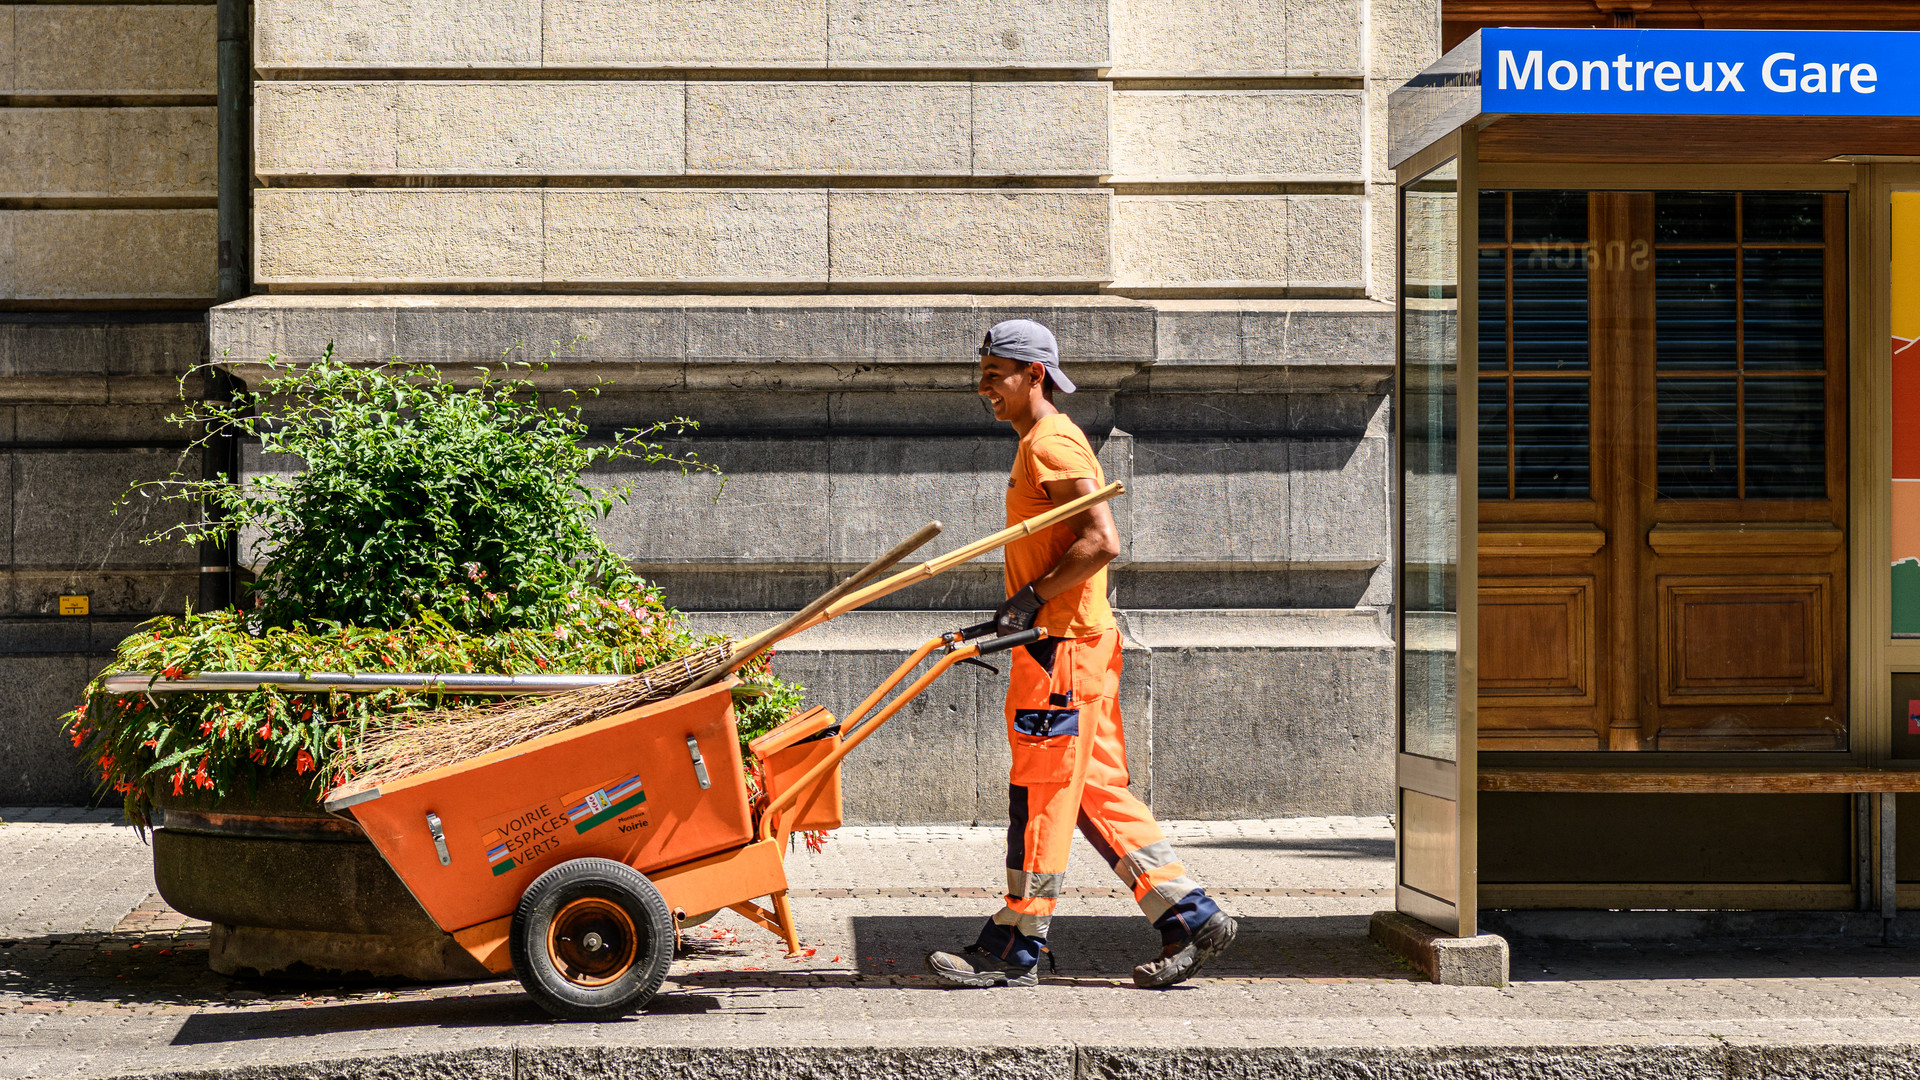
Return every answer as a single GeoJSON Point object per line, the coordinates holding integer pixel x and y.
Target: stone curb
{"type": "Point", "coordinates": [1673, 1059]}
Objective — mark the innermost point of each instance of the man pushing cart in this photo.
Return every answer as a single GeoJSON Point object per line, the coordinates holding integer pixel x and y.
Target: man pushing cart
{"type": "Point", "coordinates": [1063, 699]}
{"type": "Point", "coordinates": [570, 854]}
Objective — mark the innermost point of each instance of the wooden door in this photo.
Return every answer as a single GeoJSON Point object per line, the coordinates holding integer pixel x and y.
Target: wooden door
{"type": "Point", "coordinates": [1662, 471]}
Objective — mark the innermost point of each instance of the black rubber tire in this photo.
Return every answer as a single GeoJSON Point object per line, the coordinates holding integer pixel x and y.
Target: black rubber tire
{"type": "Point", "coordinates": [595, 892]}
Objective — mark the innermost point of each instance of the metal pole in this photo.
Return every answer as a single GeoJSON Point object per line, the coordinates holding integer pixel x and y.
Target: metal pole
{"type": "Point", "coordinates": [234, 110]}
{"type": "Point", "coordinates": [234, 168]}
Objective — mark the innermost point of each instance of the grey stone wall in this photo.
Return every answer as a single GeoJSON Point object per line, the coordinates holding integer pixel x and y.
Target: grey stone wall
{"type": "Point", "coordinates": [83, 401]}
{"type": "Point", "coordinates": [1253, 439]}
{"type": "Point", "coordinates": [107, 265]}
{"type": "Point", "coordinates": [791, 219]}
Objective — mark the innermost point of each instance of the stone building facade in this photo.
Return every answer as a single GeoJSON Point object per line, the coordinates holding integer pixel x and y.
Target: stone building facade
{"type": "Point", "coordinates": [791, 220]}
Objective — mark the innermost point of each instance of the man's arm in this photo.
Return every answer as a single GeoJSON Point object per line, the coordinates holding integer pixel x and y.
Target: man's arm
{"type": "Point", "coordinates": [1095, 541]}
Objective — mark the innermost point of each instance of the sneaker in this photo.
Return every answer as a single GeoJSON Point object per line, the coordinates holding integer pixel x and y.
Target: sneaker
{"type": "Point", "coordinates": [1181, 961]}
{"type": "Point", "coordinates": [950, 970]}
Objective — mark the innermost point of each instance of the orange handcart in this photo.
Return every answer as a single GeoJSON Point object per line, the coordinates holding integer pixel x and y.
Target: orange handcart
{"type": "Point", "coordinates": [571, 859]}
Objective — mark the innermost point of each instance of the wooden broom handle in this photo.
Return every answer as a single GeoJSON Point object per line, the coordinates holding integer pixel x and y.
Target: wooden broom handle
{"type": "Point", "coordinates": [943, 563]}
{"type": "Point", "coordinates": [766, 639]}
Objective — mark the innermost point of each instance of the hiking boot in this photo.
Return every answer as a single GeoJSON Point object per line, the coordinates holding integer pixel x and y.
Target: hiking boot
{"type": "Point", "coordinates": [950, 970]}
{"type": "Point", "coordinates": [1181, 961]}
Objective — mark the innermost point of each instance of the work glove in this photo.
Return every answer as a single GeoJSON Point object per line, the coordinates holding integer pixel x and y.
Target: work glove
{"type": "Point", "coordinates": [1017, 613]}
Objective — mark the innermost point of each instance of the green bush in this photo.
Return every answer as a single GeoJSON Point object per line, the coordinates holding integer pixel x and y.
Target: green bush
{"type": "Point", "coordinates": [418, 495]}
{"type": "Point", "coordinates": [435, 528]}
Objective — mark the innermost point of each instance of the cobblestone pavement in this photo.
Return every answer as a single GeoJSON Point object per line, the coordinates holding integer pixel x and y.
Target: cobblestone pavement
{"type": "Point", "coordinates": [79, 998]}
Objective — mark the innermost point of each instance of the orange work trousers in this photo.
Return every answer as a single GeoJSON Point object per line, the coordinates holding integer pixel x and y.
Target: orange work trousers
{"type": "Point", "coordinates": [1070, 769]}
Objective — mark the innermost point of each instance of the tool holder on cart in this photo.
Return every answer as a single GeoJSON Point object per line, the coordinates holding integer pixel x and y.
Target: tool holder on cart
{"type": "Point", "coordinates": [570, 859]}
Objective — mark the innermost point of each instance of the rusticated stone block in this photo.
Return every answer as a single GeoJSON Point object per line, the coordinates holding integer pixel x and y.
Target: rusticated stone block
{"type": "Point", "coordinates": [394, 33]}
{"type": "Point", "coordinates": [1238, 240]}
{"type": "Point", "coordinates": [167, 346]}
{"type": "Point", "coordinates": [552, 128]}
{"type": "Point", "coordinates": [448, 235]}
{"type": "Point", "coordinates": [1406, 37]}
{"type": "Point", "coordinates": [317, 128]}
{"type": "Point", "coordinates": [1262, 713]}
{"type": "Point", "coordinates": [773, 508]}
{"type": "Point", "coordinates": [684, 236]}
{"type": "Point", "coordinates": [1212, 37]}
{"type": "Point", "coordinates": [65, 512]}
{"type": "Point", "coordinates": [41, 766]}
{"type": "Point", "coordinates": [685, 33]}
{"type": "Point", "coordinates": [107, 254]}
{"type": "Point", "coordinates": [1040, 129]}
{"type": "Point", "coordinates": [851, 128]}
{"type": "Point", "coordinates": [1326, 241]}
{"type": "Point", "coordinates": [1212, 501]}
{"type": "Point", "coordinates": [1282, 135]}
{"type": "Point", "coordinates": [111, 49]}
{"type": "Point", "coordinates": [1340, 500]}
{"type": "Point", "coordinates": [1199, 240]}
{"type": "Point", "coordinates": [715, 333]}
{"type": "Point", "coordinates": [967, 33]}
{"type": "Point", "coordinates": [999, 236]}
{"type": "Point", "coordinates": [110, 153]}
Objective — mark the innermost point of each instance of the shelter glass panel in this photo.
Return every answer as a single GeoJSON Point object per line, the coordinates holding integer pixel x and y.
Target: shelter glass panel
{"type": "Point", "coordinates": [1429, 464]}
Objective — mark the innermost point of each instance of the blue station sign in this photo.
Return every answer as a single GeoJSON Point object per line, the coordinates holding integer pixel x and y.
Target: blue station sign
{"type": "Point", "coordinates": [1700, 72]}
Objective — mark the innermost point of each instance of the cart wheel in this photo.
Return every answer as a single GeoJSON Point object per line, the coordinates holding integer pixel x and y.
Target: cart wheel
{"type": "Point", "coordinates": [591, 940]}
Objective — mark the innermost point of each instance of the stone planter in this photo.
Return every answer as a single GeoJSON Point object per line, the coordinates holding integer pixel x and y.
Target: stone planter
{"type": "Point", "coordinates": [294, 892]}
{"type": "Point", "coordinates": [291, 890]}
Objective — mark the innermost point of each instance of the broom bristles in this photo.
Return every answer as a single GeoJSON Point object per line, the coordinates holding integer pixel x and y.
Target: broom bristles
{"type": "Point", "coordinates": [418, 742]}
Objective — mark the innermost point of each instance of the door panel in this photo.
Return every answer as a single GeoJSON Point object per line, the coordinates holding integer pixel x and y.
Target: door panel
{"type": "Point", "coordinates": [1538, 638]}
{"type": "Point", "coordinates": [1675, 399]}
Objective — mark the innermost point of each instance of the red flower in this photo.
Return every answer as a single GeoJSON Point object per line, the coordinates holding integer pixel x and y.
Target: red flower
{"type": "Point", "coordinates": [206, 727]}
{"type": "Point", "coordinates": [304, 762]}
{"type": "Point", "coordinates": [172, 671]}
{"type": "Point", "coordinates": [180, 782]}
{"type": "Point", "coordinates": [266, 731]}
{"type": "Point", "coordinates": [258, 754]}
{"type": "Point", "coordinates": [79, 736]}
{"type": "Point", "coordinates": [151, 743]}
{"type": "Point", "coordinates": [200, 777]}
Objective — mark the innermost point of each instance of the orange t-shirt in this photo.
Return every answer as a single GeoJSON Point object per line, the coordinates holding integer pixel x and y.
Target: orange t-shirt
{"type": "Point", "coordinates": [1056, 449]}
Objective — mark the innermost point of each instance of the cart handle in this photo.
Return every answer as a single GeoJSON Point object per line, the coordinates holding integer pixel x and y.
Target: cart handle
{"type": "Point", "coordinates": [855, 737]}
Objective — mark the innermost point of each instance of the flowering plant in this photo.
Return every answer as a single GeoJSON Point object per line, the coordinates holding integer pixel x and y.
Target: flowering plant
{"type": "Point", "coordinates": [218, 743]}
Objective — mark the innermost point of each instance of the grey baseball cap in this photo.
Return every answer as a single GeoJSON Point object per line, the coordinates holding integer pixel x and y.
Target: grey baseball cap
{"type": "Point", "coordinates": [1027, 342]}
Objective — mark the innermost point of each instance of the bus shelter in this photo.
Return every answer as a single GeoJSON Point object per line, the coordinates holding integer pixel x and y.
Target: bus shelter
{"type": "Point", "coordinates": [1658, 475]}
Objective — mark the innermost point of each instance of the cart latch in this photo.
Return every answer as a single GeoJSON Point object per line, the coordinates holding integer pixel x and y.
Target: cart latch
{"type": "Point", "coordinates": [439, 838]}
{"type": "Point", "coordinates": [699, 763]}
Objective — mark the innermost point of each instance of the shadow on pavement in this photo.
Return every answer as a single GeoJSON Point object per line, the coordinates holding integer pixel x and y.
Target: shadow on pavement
{"type": "Point", "coordinates": [489, 1010]}
{"type": "Point", "coordinates": [1108, 947]}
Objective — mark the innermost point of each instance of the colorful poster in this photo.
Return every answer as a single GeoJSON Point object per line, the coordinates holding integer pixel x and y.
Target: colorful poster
{"type": "Point", "coordinates": [1906, 413]}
